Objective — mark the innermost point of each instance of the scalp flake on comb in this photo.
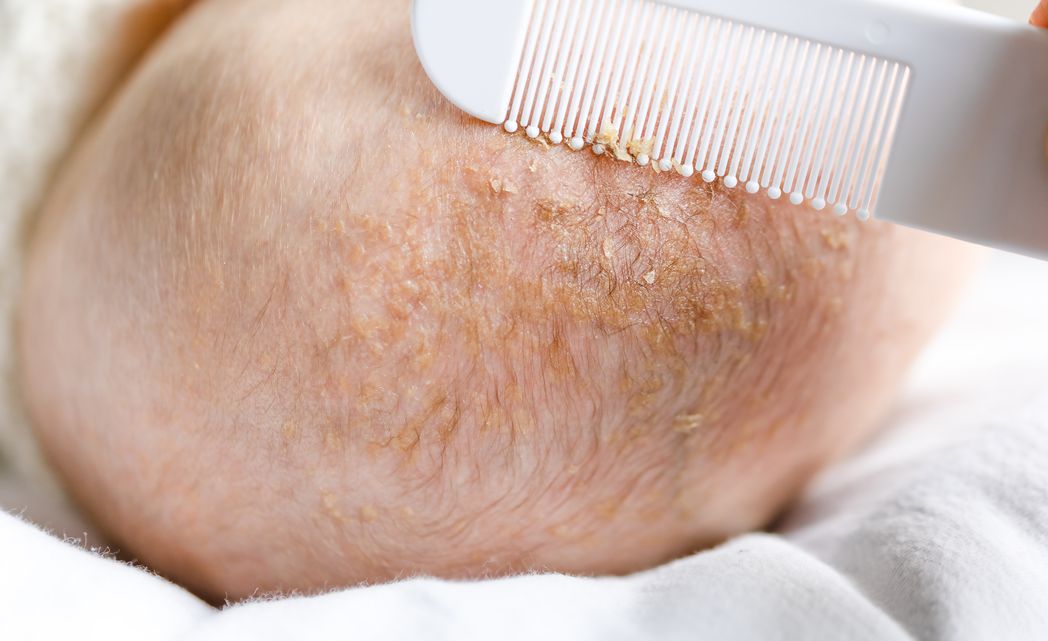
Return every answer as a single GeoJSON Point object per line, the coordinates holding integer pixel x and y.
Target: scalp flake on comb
{"type": "Point", "coordinates": [681, 90]}
{"type": "Point", "coordinates": [922, 114]}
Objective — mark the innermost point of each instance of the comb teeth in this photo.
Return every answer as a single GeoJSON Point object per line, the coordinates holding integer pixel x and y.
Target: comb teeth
{"type": "Point", "coordinates": [677, 89]}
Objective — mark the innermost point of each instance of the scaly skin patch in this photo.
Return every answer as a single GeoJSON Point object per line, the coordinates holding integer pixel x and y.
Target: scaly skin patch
{"type": "Point", "coordinates": [360, 336]}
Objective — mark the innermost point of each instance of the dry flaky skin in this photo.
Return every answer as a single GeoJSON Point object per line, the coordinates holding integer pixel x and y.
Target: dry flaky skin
{"type": "Point", "coordinates": [292, 322]}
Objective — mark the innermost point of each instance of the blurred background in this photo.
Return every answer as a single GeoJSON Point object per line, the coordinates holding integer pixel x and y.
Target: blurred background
{"type": "Point", "coordinates": [1018, 9]}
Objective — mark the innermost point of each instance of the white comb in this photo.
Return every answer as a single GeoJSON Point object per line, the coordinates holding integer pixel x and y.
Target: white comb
{"type": "Point", "coordinates": [934, 117]}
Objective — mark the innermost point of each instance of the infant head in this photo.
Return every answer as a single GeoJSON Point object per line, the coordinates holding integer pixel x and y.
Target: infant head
{"type": "Point", "coordinates": [291, 322]}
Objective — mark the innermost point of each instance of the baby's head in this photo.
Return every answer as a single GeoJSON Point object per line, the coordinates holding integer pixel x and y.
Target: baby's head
{"type": "Point", "coordinates": [291, 322]}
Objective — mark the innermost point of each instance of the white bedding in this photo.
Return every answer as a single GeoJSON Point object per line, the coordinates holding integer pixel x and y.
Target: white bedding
{"type": "Point", "coordinates": [937, 531]}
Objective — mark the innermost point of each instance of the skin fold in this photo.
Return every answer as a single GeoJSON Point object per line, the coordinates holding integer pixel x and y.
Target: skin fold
{"type": "Point", "coordinates": [293, 322]}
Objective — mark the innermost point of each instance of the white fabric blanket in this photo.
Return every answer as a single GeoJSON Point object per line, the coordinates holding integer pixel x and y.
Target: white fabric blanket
{"type": "Point", "coordinates": [938, 531]}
